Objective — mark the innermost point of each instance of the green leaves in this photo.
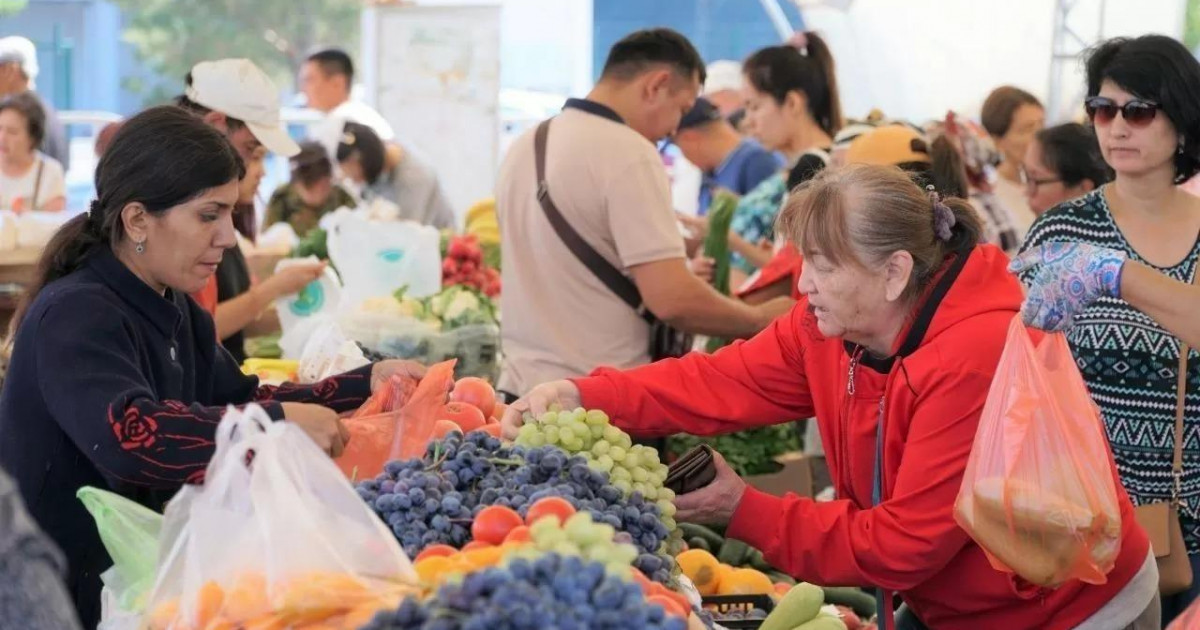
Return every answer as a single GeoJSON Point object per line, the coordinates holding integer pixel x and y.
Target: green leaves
{"type": "Point", "coordinates": [748, 452]}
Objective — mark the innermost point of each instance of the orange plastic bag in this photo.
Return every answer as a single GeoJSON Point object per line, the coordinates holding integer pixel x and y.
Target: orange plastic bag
{"type": "Point", "coordinates": [1038, 494]}
{"type": "Point", "coordinates": [375, 435]}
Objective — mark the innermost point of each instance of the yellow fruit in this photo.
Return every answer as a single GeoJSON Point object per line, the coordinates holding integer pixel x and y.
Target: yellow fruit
{"type": "Point", "coordinates": [431, 570]}
{"type": "Point", "coordinates": [247, 598]}
{"type": "Point", "coordinates": [484, 557]}
{"type": "Point", "coordinates": [163, 614]}
{"type": "Point", "coordinates": [209, 600]}
{"type": "Point", "coordinates": [745, 582]}
{"type": "Point", "coordinates": [702, 569]}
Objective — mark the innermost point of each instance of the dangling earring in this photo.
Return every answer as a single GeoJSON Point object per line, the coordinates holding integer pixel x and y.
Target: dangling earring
{"type": "Point", "coordinates": [1180, 149]}
{"type": "Point", "coordinates": [141, 247]}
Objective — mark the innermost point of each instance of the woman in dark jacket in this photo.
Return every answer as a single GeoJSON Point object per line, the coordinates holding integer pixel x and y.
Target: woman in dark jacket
{"type": "Point", "coordinates": [116, 379]}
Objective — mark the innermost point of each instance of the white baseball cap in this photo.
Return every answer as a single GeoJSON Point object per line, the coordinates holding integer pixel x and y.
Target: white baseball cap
{"type": "Point", "coordinates": [21, 51]}
{"type": "Point", "coordinates": [239, 89]}
{"type": "Point", "coordinates": [722, 75]}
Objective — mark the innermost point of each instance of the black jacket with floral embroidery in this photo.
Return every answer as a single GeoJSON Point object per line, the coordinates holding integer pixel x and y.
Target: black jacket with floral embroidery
{"type": "Point", "coordinates": [116, 386]}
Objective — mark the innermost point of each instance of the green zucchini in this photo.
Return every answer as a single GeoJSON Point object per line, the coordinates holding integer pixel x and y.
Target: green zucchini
{"type": "Point", "coordinates": [734, 552]}
{"type": "Point", "coordinates": [692, 530]}
{"type": "Point", "coordinates": [780, 576]}
{"type": "Point", "coordinates": [716, 247]}
{"type": "Point", "coordinates": [696, 542]}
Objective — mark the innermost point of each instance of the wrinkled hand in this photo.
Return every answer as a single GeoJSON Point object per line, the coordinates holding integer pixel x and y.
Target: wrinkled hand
{"type": "Point", "coordinates": [536, 402]}
{"type": "Point", "coordinates": [715, 503]}
{"type": "Point", "coordinates": [703, 267]}
{"type": "Point", "coordinates": [382, 371]}
{"type": "Point", "coordinates": [321, 424]}
{"type": "Point", "coordinates": [1066, 279]}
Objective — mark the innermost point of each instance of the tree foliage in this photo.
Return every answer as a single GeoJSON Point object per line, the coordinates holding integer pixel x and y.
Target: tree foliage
{"type": "Point", "coordinates": [171, 36]}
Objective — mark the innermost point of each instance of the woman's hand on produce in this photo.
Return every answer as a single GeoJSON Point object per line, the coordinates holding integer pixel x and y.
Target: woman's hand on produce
{"type": "Point", "coordinates": [537, 402]}
{"type": "Point", "coordinates": [321, 424]}
{"type": "Point", "coordinates": [383, 371]}
{"type": "Point", "coordinates": [292, 279]}
{"type": "Point", "coordinates": [703, 267]}
{"type": "Point", "coordinates": [714, 503]}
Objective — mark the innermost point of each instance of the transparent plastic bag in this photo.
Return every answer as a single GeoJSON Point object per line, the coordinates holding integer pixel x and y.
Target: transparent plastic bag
{"type": "Point", "coordinates": [130, 533]}
{"type": "Point", "coordinates": [276, 538]}
{"type": "Point", "coordinates": [379, 257]}
{"type": "Point", "coordinates": [328, 352]}
{"type": "Point", "coordinates": [1038, 494]}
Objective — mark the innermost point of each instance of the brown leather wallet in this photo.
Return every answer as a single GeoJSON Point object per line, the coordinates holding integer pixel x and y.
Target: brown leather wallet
{"type": "Point", "coordinates": [692, 471]}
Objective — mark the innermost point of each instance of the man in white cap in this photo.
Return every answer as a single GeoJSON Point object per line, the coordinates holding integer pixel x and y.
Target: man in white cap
{"type": "Point", "coordinates": [18, 73]}
{"type": "Point", "coordinates": [239, 99]}
{"type": "Point", "coordinates": [723, 86]}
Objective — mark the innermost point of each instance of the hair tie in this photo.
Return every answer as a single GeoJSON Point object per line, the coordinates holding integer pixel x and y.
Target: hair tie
{"type": "Point", "coordinates": [943, 217]}
{"type": "Point", "coordinates": [799, 40]}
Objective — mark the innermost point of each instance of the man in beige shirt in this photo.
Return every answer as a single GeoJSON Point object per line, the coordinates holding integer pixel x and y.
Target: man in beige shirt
{"type": "Point", "coordinates": [608, 181]}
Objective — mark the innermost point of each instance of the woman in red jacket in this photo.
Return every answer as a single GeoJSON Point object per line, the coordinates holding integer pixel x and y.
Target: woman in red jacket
{"type": "Point", "coordinates": [892, 347]}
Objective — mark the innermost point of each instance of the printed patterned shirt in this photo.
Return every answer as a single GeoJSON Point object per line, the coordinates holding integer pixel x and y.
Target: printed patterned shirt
{"type": "Point", "coordinates": [1130, 364]}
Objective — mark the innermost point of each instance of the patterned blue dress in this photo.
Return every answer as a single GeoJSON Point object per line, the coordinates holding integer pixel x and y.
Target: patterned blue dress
{"type": "Point", "coordinates": [1129, 363]}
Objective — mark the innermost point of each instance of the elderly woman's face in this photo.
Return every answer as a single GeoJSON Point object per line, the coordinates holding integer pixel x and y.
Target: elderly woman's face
{"type": "Point", "coordinates": [15, 141]}
{"type": "Point", "coordinates": [847, 300]}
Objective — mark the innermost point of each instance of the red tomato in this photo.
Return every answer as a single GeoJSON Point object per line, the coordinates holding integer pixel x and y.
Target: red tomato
{"type": "Point", "coordinates": [435, 550]}
{"type": "Point", "coordinates": [442, 428]}
{"type": "Point", "coordinates": [558, 507]}
{"type": "Point", "coordinates": [519, 534]}
{"type": "Point", "coordinates": [465, 416]}
{"type": "Point", "coordinates": [494, 523]}
{"type": "Point", "coordinates": [671, 606]}
{"type": "Point", "coordinates": [477, 393]}
{"type": "Point", "coordinates": [492, 429]}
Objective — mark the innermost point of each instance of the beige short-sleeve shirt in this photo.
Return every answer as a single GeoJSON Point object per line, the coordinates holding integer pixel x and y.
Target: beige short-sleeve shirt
{"type": "Point", "coordinates": [610, 184]}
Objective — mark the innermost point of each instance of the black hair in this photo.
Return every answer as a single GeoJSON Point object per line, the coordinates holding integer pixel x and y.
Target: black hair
{"type": "Point", "coordinates": [160, 158]}
{"type": "Point", "coordinates": [28, 106]}
{"type": "Point", "coordinates": [1071, 151]}
{"type": "Point", "coordinates": [1159, 69]}
{"type": "Point", "coordinates": [640, 50]}
{"type": "Point", "coordinates": [334, 61]}
{"type": "Point", "coordinates": [183, 102]}
{"type": "Point", "coordinates": [360, 141]}
{"type": "Point", "coordinates": [1001, 106]}
{"type": "Point", "coordinates": [311, 164]}
{"type": "Point", "coordinates": [777, 70]}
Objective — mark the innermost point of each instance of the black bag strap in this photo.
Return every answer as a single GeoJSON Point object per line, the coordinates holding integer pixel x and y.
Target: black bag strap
{"type": "Point", "coordinates": [612, 277]}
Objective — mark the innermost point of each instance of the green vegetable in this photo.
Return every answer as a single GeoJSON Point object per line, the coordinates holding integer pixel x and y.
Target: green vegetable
{"type": "Point", "coordinates": [858, 600]}
{"type": "Point", "coordinates": [799, 606]}
{"type": "Point", "coordinates": [734, 552]}
{"type": "Point", "coordinates": [692, 530]}
{"type": "Point", "coordinates": [779, 576]}
{"type": "Point", "coordinates": [716, 247]}
{"type": "Point", "coordinates": [461, 305]}
{"type": "Point", "coordinates": [697, 542]}
{"type": "Point", "coordinates": [313, 244]}
{"type": "Point", "coordinates": [756, 561]}
{"type": "Point", "coordinates": [747, 452]}
{"type": "Point", "coordinates": [265, 347]}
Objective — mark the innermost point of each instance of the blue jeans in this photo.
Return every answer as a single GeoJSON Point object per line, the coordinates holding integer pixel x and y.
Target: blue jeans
{"type": "Point", "coordinates": [1174, 605]}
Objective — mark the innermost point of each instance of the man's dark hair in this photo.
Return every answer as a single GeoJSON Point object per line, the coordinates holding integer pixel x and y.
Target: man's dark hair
{"type": "Point", "coordinates": [334, 61]}
{"type": "Point", "coordinates": [312, 164]}
{"type": "Point", "coordinates": [1071, 151]}
{"type": "Point", "coordinates": [29, 107]}
{"type": "Point", "coordinates": [183, 102]}
{"type": "Point", "coordinates": [638, 51]}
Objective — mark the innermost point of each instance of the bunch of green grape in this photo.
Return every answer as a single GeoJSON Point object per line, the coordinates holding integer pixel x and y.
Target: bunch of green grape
{"type": "Point", "coordinates": [631, 467]}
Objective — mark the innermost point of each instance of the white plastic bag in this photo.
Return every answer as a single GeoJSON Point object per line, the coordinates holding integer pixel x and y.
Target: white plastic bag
{"type": "Point", "coordinates": [276, 535]}
{"type": "Point", "coordinates": [320, 299]}
{"type": "Point", "coordinates": [377, 258]}
{"type": "Point", "coordinates": [328, 352]}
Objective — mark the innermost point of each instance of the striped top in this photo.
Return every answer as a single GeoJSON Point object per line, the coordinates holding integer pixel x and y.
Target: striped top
{"type": "Point", "coordinates": [1129, 363]}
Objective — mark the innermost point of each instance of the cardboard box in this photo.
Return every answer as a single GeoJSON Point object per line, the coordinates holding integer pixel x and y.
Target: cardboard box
{"type": "Point", "coordinates": [796, 476]}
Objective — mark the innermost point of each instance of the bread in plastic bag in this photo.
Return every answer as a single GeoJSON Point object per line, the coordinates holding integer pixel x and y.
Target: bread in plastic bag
{"type": "Point", "coordinates": [275, 538]}
{"type": "Point", "coordinates": [1038, 494]}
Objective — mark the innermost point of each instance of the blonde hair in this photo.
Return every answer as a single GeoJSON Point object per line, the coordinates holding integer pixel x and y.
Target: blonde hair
{"type": "Point", "coordinates": [860, 214]}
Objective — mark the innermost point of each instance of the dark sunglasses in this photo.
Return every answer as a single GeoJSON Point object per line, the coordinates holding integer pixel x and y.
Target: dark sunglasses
{"type": "Point", "coordinates": [1138, 113]}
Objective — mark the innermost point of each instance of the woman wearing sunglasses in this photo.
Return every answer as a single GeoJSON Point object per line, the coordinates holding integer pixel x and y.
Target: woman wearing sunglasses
{"type": "Point", "coordinates": [1144, 102]}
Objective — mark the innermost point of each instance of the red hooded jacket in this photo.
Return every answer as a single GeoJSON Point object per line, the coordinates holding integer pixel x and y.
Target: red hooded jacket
{"type": "Point", "coordinates": [932, 396]}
